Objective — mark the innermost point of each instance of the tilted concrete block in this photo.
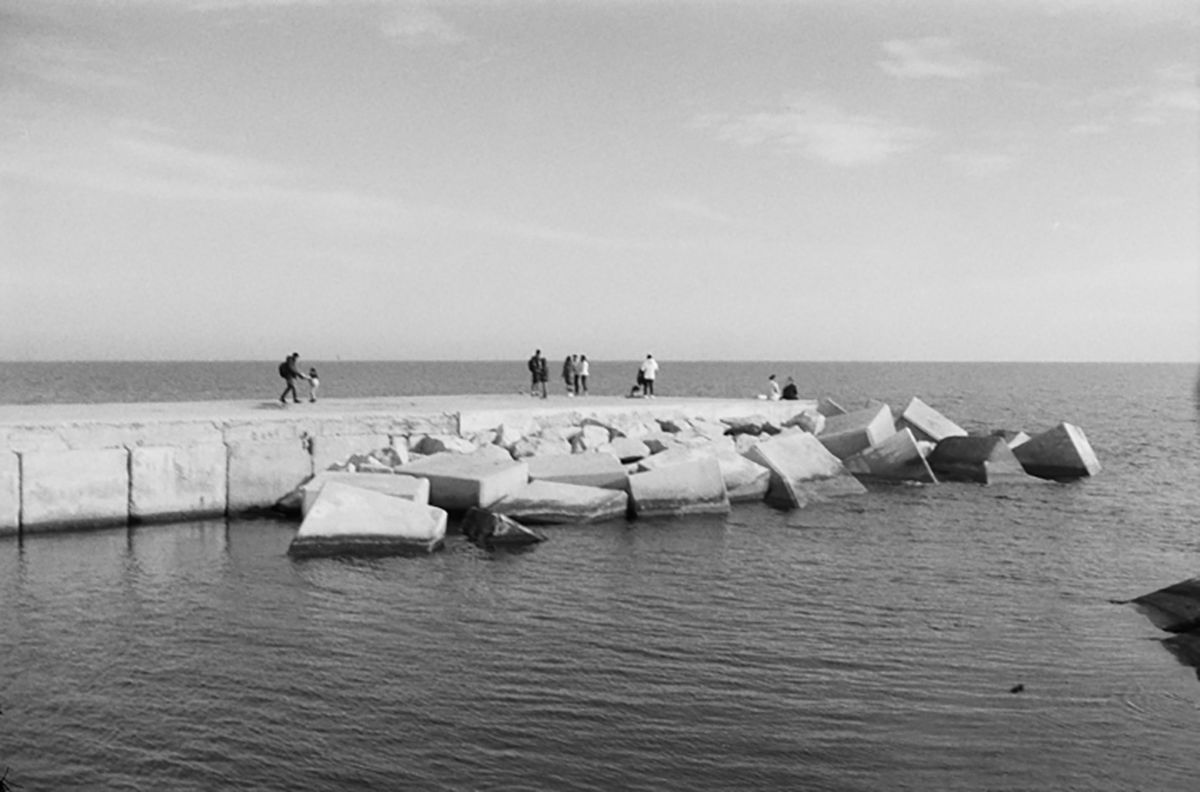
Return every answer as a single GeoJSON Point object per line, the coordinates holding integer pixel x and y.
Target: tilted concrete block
{"type": "Point", "coordinates": [846, 435]}
{"type": "Point", "coordinates": [695, 487]}
{"type": "Point", "coordinates": [10, 493]}
{"type": "Point", "coordinates": [406, 487]}
{"type": "Point", "coordinates": [349, 519]}
{"type": "Point", "coordinates": [897, 458]}
{"type": "Point", "coordinates": [626, 449]}
{"type": "Point", "coordinates": [985, 460]}
{"type": "Point", "coordinates": [488, 530]}
{"type": "Point", "coordinates": [799, 466]}
{"type": "Point", "coordinates": [927, 423]}
{"type": "Point", "coordinates": [437, 444]}
{"type": "Point", "coordinates": [1060, 453]}
{"type": "Point", "coordinates": [169, 482]}
{"type": "Point", "coordinates": [330, 450]}
{"type": "Point", "coordinates": [459, 481]}
{"type": "Point", "coordinates": [262, 473]}
{"type": "Point", "coordinates": [548, 502]}
{"type": "Point", "coordinates": [590, 470]}
{"type": "Point", "coordinates": [744, 480]}
{"type": "Point", "coordinates": [1175, 608]}
{"type": "Point", "coordinates": [74, 489]}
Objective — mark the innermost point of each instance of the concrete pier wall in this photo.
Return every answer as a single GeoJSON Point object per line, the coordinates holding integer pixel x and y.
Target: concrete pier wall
{"type": "Point", "coordinates": [78, 466]}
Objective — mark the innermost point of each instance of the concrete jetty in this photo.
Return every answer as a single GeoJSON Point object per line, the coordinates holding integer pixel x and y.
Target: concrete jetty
{"type": "Point", "coordinates": [78, 466]}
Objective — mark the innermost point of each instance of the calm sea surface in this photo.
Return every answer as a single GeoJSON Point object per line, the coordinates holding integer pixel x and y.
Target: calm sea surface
{"type": "Point", "coordinates": [862, 645]}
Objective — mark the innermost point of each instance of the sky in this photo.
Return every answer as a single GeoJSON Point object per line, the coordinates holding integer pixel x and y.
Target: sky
{"type": "Point", "coordinates": [987, 180]}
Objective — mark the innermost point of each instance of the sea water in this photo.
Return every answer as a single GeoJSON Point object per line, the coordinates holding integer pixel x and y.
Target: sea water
{"type": "Point", "coordinates": [945, 637]}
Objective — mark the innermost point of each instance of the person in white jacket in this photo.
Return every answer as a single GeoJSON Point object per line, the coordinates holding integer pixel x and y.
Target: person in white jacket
{"type": "Point", "coordinates": [649, 373]}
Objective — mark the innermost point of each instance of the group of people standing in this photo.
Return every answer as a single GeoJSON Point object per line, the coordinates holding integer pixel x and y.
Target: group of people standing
{"type": "Point", "coordinates": [575, 372]}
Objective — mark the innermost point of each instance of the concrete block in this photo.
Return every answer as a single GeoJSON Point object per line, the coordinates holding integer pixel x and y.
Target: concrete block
{"type": "Point", "coordinates": [626, 449]}
{"type": "Point", "coordinates": [1175, 608]}
{"type": "Point", "coordinates": [810, 421]}
{"type": "Point", "coordinates": [744, 480]}
{"type": "Point", "coordinates": [547, 502]}
{"type": "Point", "coordinates": [437, 444]}
{"type": "Point", "coordinates": [829, 408]}
{"type": "Point", "coordinates": [488, 530]}
{"type": "Point", "coordinates": [1061, 453]}
{"type": "Point", "coordinates": [985, 460]}
{"type": "Point", "coordinates": [262, 473]}
{"type": "Point", "coordinates": [798, 463]}
{"type": "Point", "coordinates": [348, 519]}
{"type": "Point", "coordinates": [407, 487]}
{"type": "Point", "coordinates": [173, 482]}
{"type": "Point", "coordinates": [847, 434]}
{"type": "Point", "coordinates": [331, 450]}
{"type": "Point", "coordinates": [74, 489]}
{"type": "Point", "coordinates": [897, 458]}
{"type": "Point", "coordinates": [459, 481]}
{"type": "Point", "coordinates": [541, 446]}
{"type": "Point", "coordinates": [590, 470]}
{"type": "Point", "coordinates": [927, 423]}
{"type": "Point", "coordinates": [592, 436]}
{"type": "Point", "coordinates": [10, 494]}
{"type": "Point", "coordinates": [492, 452]}
{"type": "Point", "coordinates": [695, 487]}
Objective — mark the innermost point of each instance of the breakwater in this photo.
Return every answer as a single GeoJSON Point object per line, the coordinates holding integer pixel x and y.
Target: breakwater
{"type": "Point", "coordinates": [66, 467]}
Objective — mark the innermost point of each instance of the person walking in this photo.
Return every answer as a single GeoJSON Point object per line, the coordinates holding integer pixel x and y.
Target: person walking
{"type": "Point", "coordinates": [649, 371]}
{"type": "Point", "coordinates": [568, 374]}
{"type": "Point", "coordinates": [290, 372]}
{"type": "Point", "coordinates": [582, 375]}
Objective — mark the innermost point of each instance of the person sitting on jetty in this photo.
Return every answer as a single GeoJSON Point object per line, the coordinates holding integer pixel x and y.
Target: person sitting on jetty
{"type": "Point", "coordinates": [789, 391]}
{"type": "Point", "coordinates": [772, 388]}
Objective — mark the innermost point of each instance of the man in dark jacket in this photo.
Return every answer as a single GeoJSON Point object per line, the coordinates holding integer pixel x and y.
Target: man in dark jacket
{"type": "Point", "coordinates": [290, 371]}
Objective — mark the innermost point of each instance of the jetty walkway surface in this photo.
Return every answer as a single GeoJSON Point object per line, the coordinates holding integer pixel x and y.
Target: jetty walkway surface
{"type": "Point", "coordinates": [66, 466]}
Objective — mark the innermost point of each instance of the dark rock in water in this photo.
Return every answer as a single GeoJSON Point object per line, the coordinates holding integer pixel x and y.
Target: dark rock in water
{"type": "Point", "coordinates": [1186, 649]}
{"type": "Point", "coordinates": [488, 529]}
{"type": "Point", "coordinates": [1175, 608]}
{"type": "Point", "coordinates": [981, 459]}
{"type": "Point", "coordinates": [1061, 453]}
{"type": "Point", "coordinates": [1017, 688]}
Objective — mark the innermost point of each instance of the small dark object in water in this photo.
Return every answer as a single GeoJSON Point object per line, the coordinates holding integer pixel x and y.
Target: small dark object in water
{"type": "Point", "coordinates": [1017, 688]}
{"type": "Point", "coordinates": [5, 786]}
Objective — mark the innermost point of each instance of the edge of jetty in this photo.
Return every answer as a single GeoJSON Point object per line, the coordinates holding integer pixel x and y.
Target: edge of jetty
{"type": "Point", "coordinates": [71, 466]}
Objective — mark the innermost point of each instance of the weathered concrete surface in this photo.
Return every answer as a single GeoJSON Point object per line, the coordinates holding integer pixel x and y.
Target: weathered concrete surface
{"type": "Point", "coordinates": [330, 450]}
{"type": "Point", "coordinates": [459, 481]}
{"type": "Point", "coordinates": [349, 519]}
{"type": "Point", "coordinates": [261, 473]}
{"type": "Point", "coordinates": [802, 470]}
{"type": "Point", "coordinates": [1060, 453]}
{"type": "Point", "coordinates": [550, 502]}
{"type": "Point", "coordinates": [398, 486]}
{"type": "Point", "coordinates": [169, 482]}
{"type": "Point", "coordinates": [927, 423]}
{"type": "Point", "coordinates": [897, 458]}
{"type": "Point", "coordinates": [63, 489]}
{"type": "Point", "coordinates": [847, 434]}
{"type": "Point", "coordinates": [744, 480]}
{"type": "Point", "coordinates": [695, 487]}
{"type": "Point", "coordinates": [488, 529]}
{"type": "Point", "coordinates": [10, 493]}
{"type": "Point", "coordinates": [985, 460]}
{"type": "Point", "coordinates": [588, 469]}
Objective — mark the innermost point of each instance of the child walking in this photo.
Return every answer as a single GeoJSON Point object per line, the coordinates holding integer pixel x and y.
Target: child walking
{"type": "Point", "coordinates": [313, 384]}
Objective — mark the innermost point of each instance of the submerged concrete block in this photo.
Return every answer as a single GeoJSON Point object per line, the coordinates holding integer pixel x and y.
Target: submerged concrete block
{"type": "Point", "coordinates": [898, 458]}
{"type": "Point", "coordinates": [10, 494]}
{"type": "Point", "coordinates": [407, 487]}
{"type": "Point", "coordinates": [1060, 453]}
{"type": "Point", "coordinates": [488, 529]}
{"type": "Point", "coordinates": [695, 487]}
{"type": "Point", "coordinates": [590, 470]}
{"type": "Point", "coordinates": [985, 460]}
{"type": "Point", "coordinates": [260, 473]}
{"type": "Point", "coordinates": [802, 470]}
{"type": "Point", "coordinates": [927, 423]}
{"type": "Point", "coordinates": [459, 481]}
{"type": "Point", "coordinates": [846, 435]}
{"type": "Point", "coordinates": [74, 489]}
{"type": "Point", "coordinates": [744, 480]}
{"type": "Point", "coordinates": [349, 519]}
{"type": "Point", "coordinates": [553, 502]}
{"type": "Point", "coordinates": [1175, 608]}
{"type": "Point", "coordinates": [171, 482]}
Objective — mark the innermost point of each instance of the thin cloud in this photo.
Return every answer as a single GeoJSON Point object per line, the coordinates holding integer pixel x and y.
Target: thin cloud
{"type": "Point", "coordinates": [932, 57]}
{"type": "Point", "coordinates": [820, 130]}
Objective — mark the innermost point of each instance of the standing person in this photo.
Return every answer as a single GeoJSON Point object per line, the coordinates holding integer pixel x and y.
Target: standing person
{"type": "Point", "coordinates": [535, 369]}
{"type": "Point", "coordinates": [543, 373]}
{"type": "Point", "coordinates": [772, 388]}
{"type": "Point", "coordinates": [568, 374]}
{"type": "Point", "coordinates": [582, 376]}
{"type": "Point", "coordinates": [290, 373]}
{"type": "Point", "coordinates": [649, 374]}
{"type": "Point", "coordinates": [313, 383]}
